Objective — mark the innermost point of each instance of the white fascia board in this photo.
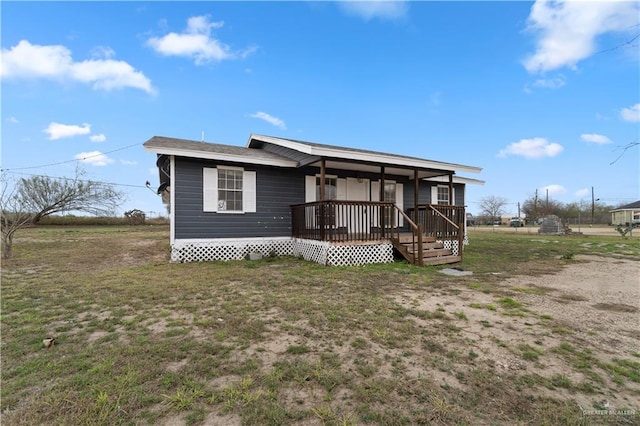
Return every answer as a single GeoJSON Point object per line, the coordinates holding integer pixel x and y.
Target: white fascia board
{"type": "Point", "coordinates": [456, 179]}
{"type": "Point", "coordinates": [285, 143]}
{"type": "Point", "coordinates": [394, 161]}
{"type": "Point", "coordinates": [229, 240]}
{"type": "Point", "coordinates": [384, 159]}
{"type": "Point", "coordinates": [222, 157]}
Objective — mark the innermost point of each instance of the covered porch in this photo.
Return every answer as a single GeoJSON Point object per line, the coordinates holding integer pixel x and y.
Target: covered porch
{"type": "Point", "coordinates": [425, 234]}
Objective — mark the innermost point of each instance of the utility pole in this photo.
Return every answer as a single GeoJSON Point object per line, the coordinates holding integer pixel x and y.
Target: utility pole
{"type": "Point", "coordinates": [535, 206]}
{"type": "Point", "coordinates": [593, 205]}
{"type": "Point", "coordinates": [547, 206]}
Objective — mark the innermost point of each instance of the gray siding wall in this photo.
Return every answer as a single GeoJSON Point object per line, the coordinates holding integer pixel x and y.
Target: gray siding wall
{"type": "Point", "coordinates": [276, 190]}
{"type": "Point", "coordinates": [424, 193]}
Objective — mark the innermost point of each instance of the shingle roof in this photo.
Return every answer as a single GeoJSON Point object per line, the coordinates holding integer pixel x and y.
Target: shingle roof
{"type": "Point", "coordinates": [347, 149]}
{"type": "Point", "coordinates": [159, 142]}
{"type": "Point", "coordinates": [634, 205]}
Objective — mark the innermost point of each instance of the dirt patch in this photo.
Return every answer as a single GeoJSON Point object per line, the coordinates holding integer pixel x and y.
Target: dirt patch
{"type": "Point", "coordinates": [585, 317]}
{"type": "Point", "coordinates": [615, 307]}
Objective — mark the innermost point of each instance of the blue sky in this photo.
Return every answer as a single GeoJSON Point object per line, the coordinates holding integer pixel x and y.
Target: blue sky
{"type": "Point", "coordinates": [541, 95]}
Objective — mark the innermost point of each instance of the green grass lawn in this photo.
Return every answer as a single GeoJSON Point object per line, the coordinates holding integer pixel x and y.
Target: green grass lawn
{"type": "Point", "coordinates": [277, 341]}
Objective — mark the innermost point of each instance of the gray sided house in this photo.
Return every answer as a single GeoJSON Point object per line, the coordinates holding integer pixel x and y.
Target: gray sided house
{"type": "Point", "coordinates": [328, 204]}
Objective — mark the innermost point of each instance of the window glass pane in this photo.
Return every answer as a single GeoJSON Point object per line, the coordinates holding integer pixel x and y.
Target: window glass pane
{"type": "Point", "coordinates": [390, 192]}
{"type": "Point", "coordinates": [330, 188]}
{"type": "Point", "coordinates": [229, 190]}
{"type": "Point", "coordinates": [443, 195]}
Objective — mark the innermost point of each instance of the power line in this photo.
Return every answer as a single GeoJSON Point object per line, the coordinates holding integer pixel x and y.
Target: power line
{"type": "Point", "coordinates": [77, 180]}
{"type": "Point", "coordinates": [71, 161]}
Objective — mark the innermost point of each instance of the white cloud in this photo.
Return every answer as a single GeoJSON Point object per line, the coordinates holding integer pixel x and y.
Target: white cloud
{"type": "Point", "coordinates": [581, 193]}
{"type": "Point", "coordinates": [59, 131]}
{"type": "Point", "coordinates": [129, 163]}
{"type": "Point", "coordinates": [94, 158]}
{"type": "Point", "coordinates": [103, 52]}
{"type": "Point", "coordinates": [546, 83]}
{"type": "Point", "coordinates": [98, 138]}
{"type": "Point", "coordinates": [382, 9]}
{"type": "Point", "coordinates": [532, 148]}
{"type": "Point", "coordinates": [566, 30]}
{"type": "Point", "coordinates": [196, 42]}
{"type": "Point", "coordinates": [13, 120]}
{"type": "Point", "coordinates": [550, 83]}
{"type": "Point", "coordinates": [631, 114]}
{"type": "Point", "coordinates": [595, 138]}
{"type": "Point", "coordinates": [554, 189]}
{"type": "Point", "coordinates": [269, 119]}
{"type": "Point", "coordinates": [32, 61]}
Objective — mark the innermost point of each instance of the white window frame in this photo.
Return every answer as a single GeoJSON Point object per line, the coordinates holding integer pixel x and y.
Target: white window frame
{"type": "Point", "coordinates": [311, 187]}
{"type": "Point", "coordinates": [210, 190]}
{"type": "Point", "coordinates": [434, 195]}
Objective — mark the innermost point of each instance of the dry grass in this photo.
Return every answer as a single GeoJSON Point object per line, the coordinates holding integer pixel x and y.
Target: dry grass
{"type": "Point", "coordinates": [283, 341]}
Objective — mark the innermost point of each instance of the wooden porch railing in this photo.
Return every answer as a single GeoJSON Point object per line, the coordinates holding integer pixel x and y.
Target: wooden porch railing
{"type": "Point", "coordinates": [443, 222]}
{"type": "Point", "coordinates": [337, 220]}
{"type": "Point", "coordinates": [344, 221]}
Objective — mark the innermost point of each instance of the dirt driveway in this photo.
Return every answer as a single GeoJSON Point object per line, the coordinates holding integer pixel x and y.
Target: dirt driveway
{"type": "Point", "coordinates": [570, 328]}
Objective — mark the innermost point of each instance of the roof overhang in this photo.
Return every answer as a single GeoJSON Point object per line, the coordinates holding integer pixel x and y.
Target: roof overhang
{"type": "Point", "coordinates": [458, 179]}
{"type": "Point", "coordinates": [345, 156]}
{"type": "Point", "coordinates": [221, 156]}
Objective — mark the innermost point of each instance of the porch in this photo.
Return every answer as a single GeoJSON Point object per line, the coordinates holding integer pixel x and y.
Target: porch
{"type": "Point", "coordinates": [427, 234]}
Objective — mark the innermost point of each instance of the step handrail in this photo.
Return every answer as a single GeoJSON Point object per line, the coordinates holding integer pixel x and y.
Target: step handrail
{"type": "Point", "coordinates": [416, 231]}
{"type": "Point", "coordinates": [444, 217]}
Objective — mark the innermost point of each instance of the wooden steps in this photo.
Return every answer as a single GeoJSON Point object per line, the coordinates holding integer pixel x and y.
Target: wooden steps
{"type": "Point", "coordinates": [433, 253]}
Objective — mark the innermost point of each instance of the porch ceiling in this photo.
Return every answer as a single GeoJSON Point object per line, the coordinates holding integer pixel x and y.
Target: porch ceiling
{"type": "Point", "coordinates": [375, 168]}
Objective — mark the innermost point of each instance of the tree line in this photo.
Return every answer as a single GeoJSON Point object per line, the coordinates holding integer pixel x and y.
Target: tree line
{"type": "Point", "coordinates": [586, 212]}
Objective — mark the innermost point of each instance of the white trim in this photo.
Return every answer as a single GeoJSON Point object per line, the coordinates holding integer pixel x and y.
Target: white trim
{"type": "Point", "coordinates": [222, 157]}
{"type": "Point", "coordinates": [249, 195]}
{"type": "Point", "coordinates": [309, 189]}
{"type": "Point", "coordinates": [400, 202]}
{"type": "Point", "coordinates": [311, 186]}
{"type": "Point", "coordinates": [341, 189]}
{"type": "Point", "coordinates": [209, 189]}
{"type": "Point", "coordinates": [456, 179]}
{"type": "Point", "coordinates": [229, 240]}
{"type": "Point", "coordinates": [376, 157]}
{"type": "Point", "coordinates": [434, 195]}
{"type": "Point", "coordinates": [172, 199]}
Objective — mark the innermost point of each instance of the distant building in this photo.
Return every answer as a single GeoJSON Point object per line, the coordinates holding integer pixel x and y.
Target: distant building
{"type": "Point", "coordinates": [626, 215]}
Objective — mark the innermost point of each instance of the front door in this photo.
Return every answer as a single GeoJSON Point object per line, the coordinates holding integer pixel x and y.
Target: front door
{"type": "Point", "coordinates": [356, 217]}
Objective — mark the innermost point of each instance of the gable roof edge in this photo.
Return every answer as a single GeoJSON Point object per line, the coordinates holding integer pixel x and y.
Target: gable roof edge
{"type": "Point", "coordinates": [360, 154]}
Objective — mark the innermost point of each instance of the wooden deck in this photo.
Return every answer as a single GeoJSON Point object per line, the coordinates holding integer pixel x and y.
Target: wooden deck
{"type": "Point", "coordinates": [361, 223]}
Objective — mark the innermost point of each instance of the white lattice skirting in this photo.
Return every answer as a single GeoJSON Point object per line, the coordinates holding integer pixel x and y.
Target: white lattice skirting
{"type": "Point", "coordinates": [451, 245]}
{"type": "Point", "coordinates": [329, 254]}
{"type": "Point", "coordinates": [228, 249]}
{"type": "Point", "coordinates": [320, 252]}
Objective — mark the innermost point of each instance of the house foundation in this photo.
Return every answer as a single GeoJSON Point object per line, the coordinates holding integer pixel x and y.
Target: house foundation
{"type": "Point", "coordinates": [322, 252]}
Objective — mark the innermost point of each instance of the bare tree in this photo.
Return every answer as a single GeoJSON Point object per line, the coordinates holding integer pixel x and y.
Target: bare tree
{"type": "Point", "coordinates": [33, 198]}
{"type": "Point", "coordinates": [44, 196]}
{"type": "Point", "coordinates": [492, 206]}
{"type": "Point", "coordinates": [624, 149]}
{"type": "Point", "coordinates": [13, 216]}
